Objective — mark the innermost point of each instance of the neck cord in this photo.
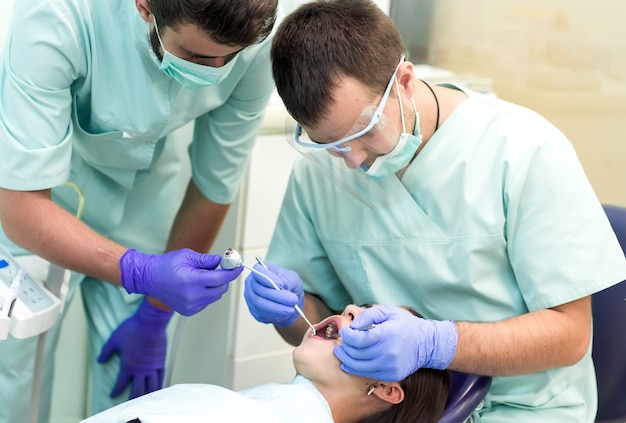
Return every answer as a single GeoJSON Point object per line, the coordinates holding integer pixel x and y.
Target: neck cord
{"type": "Point", "coordinates": [417, 117]}
{"type": "Point", "coordinates": [436, 102]}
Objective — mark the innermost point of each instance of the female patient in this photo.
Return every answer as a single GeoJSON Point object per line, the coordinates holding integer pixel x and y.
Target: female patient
{"type": "Point", "coordinates": [321, 392]}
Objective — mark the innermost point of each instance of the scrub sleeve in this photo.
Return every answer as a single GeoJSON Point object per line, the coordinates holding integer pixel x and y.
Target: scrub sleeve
{"type": "Point", "coordinates": [108, 136]}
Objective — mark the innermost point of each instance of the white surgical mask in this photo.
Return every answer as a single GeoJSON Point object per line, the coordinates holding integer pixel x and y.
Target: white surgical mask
{"type": "Point", "coordinates": [398, 158]}
{"type": "Point", "coordinates": [189, 74]}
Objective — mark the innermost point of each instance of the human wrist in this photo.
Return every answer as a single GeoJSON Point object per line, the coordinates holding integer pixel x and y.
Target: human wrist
{"type": "Point", "coordinates": [135, 271]}
{"type": "Point", "coordinates": [445, 341]}
{"type": "Point", "coordinates": [128, 270]}
{"type": "Point", "coordinates": [152, 314]}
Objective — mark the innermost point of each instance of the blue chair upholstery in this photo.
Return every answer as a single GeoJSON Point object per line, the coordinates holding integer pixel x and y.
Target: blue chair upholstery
{"type": "Point", "coordinates": [609, 336]}
{"type": "Point", "coordinates": [466, 393]}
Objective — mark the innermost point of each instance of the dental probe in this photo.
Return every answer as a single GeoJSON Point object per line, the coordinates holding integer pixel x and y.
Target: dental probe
{"type": "Point", "coordinates": [368, 327]}
{"type": "Point", "coordinates": [362, 328]}
{"type": "Point", "coordinates": [296, 306]}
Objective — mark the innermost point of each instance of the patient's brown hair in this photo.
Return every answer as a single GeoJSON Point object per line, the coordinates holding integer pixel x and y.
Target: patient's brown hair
{"type": "Point", "coordinates": [425, 396]}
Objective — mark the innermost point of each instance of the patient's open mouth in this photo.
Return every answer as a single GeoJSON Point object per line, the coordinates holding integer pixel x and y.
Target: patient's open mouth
{"type": "Point", "coordinates": [328, 329]}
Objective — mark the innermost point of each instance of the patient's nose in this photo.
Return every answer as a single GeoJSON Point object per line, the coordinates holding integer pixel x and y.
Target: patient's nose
{"type": "Point", "coordinates": [351, 311]}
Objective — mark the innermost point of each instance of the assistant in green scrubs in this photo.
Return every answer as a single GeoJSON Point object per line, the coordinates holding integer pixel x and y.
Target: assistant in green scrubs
{"type": "Point", "coordinates": [83, 99]}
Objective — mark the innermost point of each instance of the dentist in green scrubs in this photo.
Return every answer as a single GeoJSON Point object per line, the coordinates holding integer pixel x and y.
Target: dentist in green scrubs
{"type": "Point", "coordinates": [473, 210]}
{"type": "Point", "coordinates": [89, 92]}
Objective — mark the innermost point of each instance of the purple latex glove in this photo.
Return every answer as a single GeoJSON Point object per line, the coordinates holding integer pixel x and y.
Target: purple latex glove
{"type": "Point", "coordinates": [399, 345]}
{"type": "Point", "coordinates": [266, 304]}
{"type": "Point", "coordinates": [141, 343]}
{"type": "Point", "coordinates": [184, 280]}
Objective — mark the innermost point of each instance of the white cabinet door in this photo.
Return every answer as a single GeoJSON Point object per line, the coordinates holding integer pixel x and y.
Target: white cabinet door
{"type": "Point", "coordinates": [259, 354]}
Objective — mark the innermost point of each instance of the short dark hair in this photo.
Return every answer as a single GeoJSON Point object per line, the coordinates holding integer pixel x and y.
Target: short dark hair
{"type": "Point", "coordinates": [228, 22]}
{"type": "Point", "coordinates": [325, 39]}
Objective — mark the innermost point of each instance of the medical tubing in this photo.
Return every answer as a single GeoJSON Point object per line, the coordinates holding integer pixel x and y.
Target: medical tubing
{"type": "Point", "coordinates": [81, 198]}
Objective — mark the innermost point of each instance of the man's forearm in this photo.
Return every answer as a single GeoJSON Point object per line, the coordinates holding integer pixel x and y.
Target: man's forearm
{"type": "Point", "coordinates": [529, 343]}
{"type": "Point", "coordinates": [33, 221]}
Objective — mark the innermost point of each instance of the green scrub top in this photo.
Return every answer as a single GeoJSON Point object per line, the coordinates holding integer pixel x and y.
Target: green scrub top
{"type": "Point", "coordinates": [495, 218]}
{"type": "Point", "coordinates": [82, 100]}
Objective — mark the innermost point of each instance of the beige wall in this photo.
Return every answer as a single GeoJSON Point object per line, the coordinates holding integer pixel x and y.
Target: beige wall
{"type": "Point", "coordinates": [566, 59]}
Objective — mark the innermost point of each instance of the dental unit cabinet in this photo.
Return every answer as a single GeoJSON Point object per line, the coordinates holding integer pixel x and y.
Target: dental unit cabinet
{"type": "Point", "coordinates": [34, 308]}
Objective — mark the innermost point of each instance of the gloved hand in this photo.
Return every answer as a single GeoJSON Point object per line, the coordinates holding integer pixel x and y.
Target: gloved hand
{"type": "Point", "coordinates": [266, 304]}
{"type": "Point", "coordinates": [141, 343]}
{"type": "Point", "coordinates": [184, 280]}
{"type": "Point", "coordinates": [400, 344]}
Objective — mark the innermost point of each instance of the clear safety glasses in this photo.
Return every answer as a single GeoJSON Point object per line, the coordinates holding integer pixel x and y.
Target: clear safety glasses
{"type": "Point", "coordinates": [338, 146]}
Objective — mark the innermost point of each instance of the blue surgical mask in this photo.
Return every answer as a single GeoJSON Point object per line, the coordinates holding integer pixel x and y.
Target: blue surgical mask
{"type": "Point", "coordinates": [402, 154]}
{"type": "Point", "coordinates": [189, 74]}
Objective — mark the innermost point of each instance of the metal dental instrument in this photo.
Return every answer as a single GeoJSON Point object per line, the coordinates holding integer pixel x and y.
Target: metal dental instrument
{"type": "Point", "coordinates": [368, 327]}
{"type": "Point", "coordinates": [296, 306]}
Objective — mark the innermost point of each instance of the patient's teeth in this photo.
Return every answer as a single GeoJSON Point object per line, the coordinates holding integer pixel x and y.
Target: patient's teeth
{"type": "Point", "coordinates": [331, 331]}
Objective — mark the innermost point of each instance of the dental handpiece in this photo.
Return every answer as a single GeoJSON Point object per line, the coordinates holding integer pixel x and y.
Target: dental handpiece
{"type": "Point", "coordinates": [231, 259]}
{"type": "Point", "coordinates": [296, 306]}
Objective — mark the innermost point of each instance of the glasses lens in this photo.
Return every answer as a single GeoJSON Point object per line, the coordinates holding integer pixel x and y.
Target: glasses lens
{"type": "Point", "coordinates": [365, 123]}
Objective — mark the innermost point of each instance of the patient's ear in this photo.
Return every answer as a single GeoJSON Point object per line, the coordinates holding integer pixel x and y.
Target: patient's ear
{"type": "Point", "coordinates": [390, 392]}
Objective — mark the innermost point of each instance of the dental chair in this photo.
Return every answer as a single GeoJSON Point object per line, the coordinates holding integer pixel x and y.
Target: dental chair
{"type": "Point", "coordinates": [609, 336]}
{"type": "Point", "coordinates": [466, 394]}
